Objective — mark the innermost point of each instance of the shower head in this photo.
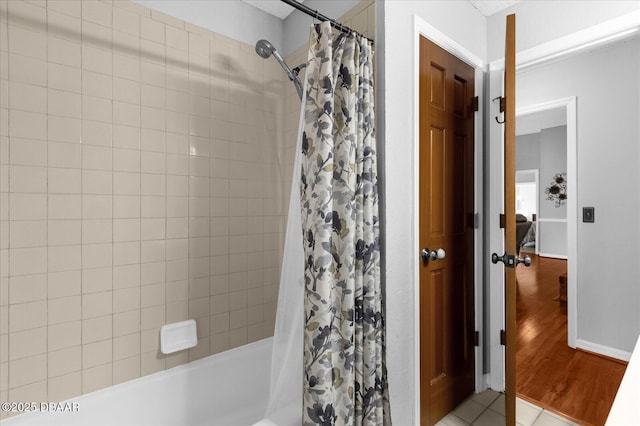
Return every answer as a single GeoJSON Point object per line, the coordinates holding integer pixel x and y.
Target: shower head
{"type": "Point", "coordinates": [264, 48]}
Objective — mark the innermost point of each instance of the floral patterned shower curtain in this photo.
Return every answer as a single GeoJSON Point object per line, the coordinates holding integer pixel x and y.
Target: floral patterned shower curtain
{"type": "Point", "coordinates": [344, 373]}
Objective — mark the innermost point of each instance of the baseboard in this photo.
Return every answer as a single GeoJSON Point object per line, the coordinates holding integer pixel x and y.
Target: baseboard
{"type": "Point", "coordinates": [555, 256]}
{"type": "Point", "coordinates": [603, 350]}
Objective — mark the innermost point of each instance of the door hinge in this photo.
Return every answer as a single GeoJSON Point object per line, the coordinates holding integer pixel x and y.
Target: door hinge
{"type": "Point", "coordinates": [476, 338]}
{"type": "Point", "coordinates": [502, 220]}
{"type": "Point", "coordinates": [475, 104]}
{"type": "Point", "coordinates": [503, 338]}
{"type": "Point", "coordinates": [476, 220]}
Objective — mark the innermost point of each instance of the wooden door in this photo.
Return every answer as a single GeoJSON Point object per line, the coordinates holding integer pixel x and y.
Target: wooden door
{"type": "Point", "coordinates": [510, 218]}
{"type": "Point", "coordinates": [446, 231]}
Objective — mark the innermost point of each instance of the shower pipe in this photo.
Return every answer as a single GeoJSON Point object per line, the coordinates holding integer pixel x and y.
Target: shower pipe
{"type": "Point", "coordinates": [335, 24]}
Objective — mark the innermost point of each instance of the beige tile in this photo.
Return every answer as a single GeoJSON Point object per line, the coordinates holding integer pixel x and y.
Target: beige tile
{"type": "Point", "coordinates": [64, 52]}
{"type": "Point", "coordinates": [64, 309]}
{"type": "Point", "coordinates": [176, 38]}
{"type": "Point", "coordinates": [126, 183]}
{"type": "Point", "coordinates": [97, 329]}
{"type": "Point", "coordinates": [64, 258]}
{"type": "Point", "coordinates": [96, 133]}
{"type": "Point", "coordinates": [153, 228]}
{"type": "Point", "coordinates": [63, 129]}
{"type": "Point", "coordinates": [64, 104]}
{"type": "Point", "coordinates": [177, 358]}
{"type": "Point", "coordinates": [64, 335]}
{"type": "Point", "coordinates": [126, 160]}
{"type": "Point", "coordinates": [97, 353]}
{"type": "Point", "coordinates": [27, 261]}
{"type": "Point", "coordinates": [126, 114]}
{"type": "Point", "coordinates": [96, 84]}
{"type": "Point", "coordinates": [27, 97]}
{"type": "Point", "coordinates": [126, 276]}
{"type": "Point", "coordinates": [126, 299]}
{"type": "Point", "coordinates": [150, 340]}
{"type": "Point", "coordinates": [64, 387]}
{"type": "Point", "coordinates": [126, 137]}
{"type": "Point", "coordinates": [26, 42]}
{"type": "Point", "coordinates": [97, 304]}
{"type": "Point", "coordinates": [152, 295]}
{"type": "Point", "coordinates": [152, 273]}
{"type": "Point", "coordinates": [177, 291]}
{"type": "Point", "coordinates": [96, 280]}
{"type": "Point", "coordinates": [126, 206]}
{"type": "Point", "coordinates": [126, 67]}
{"type": "Point", "coordinates": [126, 369]}
{"type": "Point", "coordinates": [126, 346]}
{"type": "Point", "coordinates": [96, 255]}
{"type": "Point", "coordinates": [126, 230]}
{"type": "Point", "coordinates": [27, 70]}
{"type": "Point", "coordinates": [152, 317]}
{"type": "Point", "coordinates": [96, 206]}
{"type": "Point", "coordinates": [27, 179]}
{"type": "Point", "coordinates": [27, 152]}
{"type": "Point", "coordinates": [151, 362]}
{"type": "Point", "coordinates": [126, 253]}
{"type": "Point", "coordinates": [152, 73]}
{"type": "Point", "coordinates": [64, 232]}
{"type": "Point", "coordinates": [97, 182]}
{"type": "Point", "coordinates": [126, 21]}
{"type": "Point", "coordinates": [177, 311]}
{"type": "Point", "coordinates": [27, 288]}
{"type": "Point", "coordinates": [220, 323]}
{"type": "Point", "coordinates": [63, 25]}
{"type": "Point", "coordinates": [64, 181]}
{"type": "Point", "coordinates": [23, 124]}
{"type": "Point", "coordinates": [64, 361]}
{"type": "Point", "coordinates": [63, 284]}
{"type": "Point", "coordinates": [125, 323]}
{"type": "Point", "coordinates": [238, 319]}
{"type": "Point", "coordinates": [27, 233]}
{"type": "Point", "coordinates": [95, 231]}
{"type": "Point", "coordinates": [64, 206]}
{"type": "Point", "coordinates": [238, 337]}
{"type": "Point", "coordinates": [27, 343]}
{"type": "Point", "coordinates": [96, 109]}
{"type": "Point", "coordinates": [97, 12]}
{"type": "Point", "coordinates": [29, 370]}
{"type": "Point", "coordinates": [66, 155]}
{"type": "Point", "coordinates": [125, 90]}
{"type": "Point", "coordinates": [68, 7]}
{"type": "Point", "coordinates": [153, 30]}
{"type": "Point", "coordinates": [96, 378]}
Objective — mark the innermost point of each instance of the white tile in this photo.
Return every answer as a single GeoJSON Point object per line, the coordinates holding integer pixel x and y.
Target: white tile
{"type": "Point", "coordinates": [499, 405]}
{"type": "Point", "coordinates": [469, 410]}
{"type": "Point", "coordinates": [526, 413]}
{"type": "Point", "coordinates": [490, 418]}
{"type": "Point", "coordinates": [486, 397]}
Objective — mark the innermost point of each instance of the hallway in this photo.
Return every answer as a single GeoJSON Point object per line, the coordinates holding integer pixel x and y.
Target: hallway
{"type": "Point", "coordinates": [577, 384]}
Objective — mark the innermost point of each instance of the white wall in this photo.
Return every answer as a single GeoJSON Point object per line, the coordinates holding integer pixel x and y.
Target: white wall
{"type": "Point", "coordinates": [462, 23]}
{"type": "Point", "coordinates": [231, 18]}
{"type": "Point", "coordinates": [540, 21]}
{"type": "Point", "coordinates": [607, 85]}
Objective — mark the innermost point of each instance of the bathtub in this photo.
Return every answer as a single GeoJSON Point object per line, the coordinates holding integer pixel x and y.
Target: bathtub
{"type": "Point", "coordinates": [226, 389]}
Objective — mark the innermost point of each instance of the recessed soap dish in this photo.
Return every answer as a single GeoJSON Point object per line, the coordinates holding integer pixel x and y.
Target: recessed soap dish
{"type": "Point", "coordinates": [178, 336]}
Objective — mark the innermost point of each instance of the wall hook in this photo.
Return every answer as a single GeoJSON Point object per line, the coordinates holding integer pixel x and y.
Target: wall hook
{"type": "Point", "coordinates": [502, 107]}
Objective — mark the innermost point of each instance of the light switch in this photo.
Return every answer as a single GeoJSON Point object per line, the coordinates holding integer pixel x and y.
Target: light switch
{"type": "Point", "coordinates": [588, 214]}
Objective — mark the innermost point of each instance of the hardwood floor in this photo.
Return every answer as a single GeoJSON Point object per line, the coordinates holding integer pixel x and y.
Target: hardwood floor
{"type": "Point", "coordinates": [576, 384]}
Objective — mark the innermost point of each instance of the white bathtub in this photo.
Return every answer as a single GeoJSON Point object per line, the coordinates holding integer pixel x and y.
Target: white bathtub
{"type": "Point", "coordinates": [227, 389]}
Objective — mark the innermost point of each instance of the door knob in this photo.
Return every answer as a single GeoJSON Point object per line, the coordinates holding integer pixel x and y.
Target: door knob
{"type": "Point", "coordinates": [510, 261]}
{"type": "Point", "coordinates": [427, 254]}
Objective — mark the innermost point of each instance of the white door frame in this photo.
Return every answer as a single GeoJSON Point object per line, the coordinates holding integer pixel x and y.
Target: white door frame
{"type": "Point", "coordinates": [570, 106]}
{"type": "Point", "coordinates": [562, 47]}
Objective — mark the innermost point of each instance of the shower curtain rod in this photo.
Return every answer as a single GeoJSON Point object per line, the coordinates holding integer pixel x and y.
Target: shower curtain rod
{"type": "Point", "coordinates": [302, 8]}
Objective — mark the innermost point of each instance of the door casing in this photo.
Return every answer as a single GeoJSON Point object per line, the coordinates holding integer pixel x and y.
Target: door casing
{"type": "Point", "coordinates": [424, 29]}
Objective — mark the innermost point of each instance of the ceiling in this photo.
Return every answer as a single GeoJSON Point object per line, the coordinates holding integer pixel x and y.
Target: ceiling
{"type": "Point", "coordinates": [282, 10]}
{"type": "Point", "coordinates": [274, 7]}
{"type": "Point", "coordinates": [489, 7]}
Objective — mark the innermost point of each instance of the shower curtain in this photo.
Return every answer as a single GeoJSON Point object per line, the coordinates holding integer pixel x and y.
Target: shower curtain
{"type": "Point", "coordinates": [344, 375]}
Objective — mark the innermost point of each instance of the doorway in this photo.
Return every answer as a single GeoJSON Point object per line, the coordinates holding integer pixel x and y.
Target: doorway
{"type": "Point", "coordinates": [447, 323]}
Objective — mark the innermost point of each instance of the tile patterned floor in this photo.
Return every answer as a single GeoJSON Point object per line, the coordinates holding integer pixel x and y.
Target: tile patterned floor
{"type": "Point", "coordinates": [487, 409]}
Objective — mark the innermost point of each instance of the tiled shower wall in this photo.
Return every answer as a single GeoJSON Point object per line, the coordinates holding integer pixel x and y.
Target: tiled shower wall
{"type": "Point", "coordinates": [141, 183]}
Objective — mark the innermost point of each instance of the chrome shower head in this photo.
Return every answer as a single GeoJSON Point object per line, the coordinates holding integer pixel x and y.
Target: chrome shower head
{"type": "Point", "coordinates": [264, 48]}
